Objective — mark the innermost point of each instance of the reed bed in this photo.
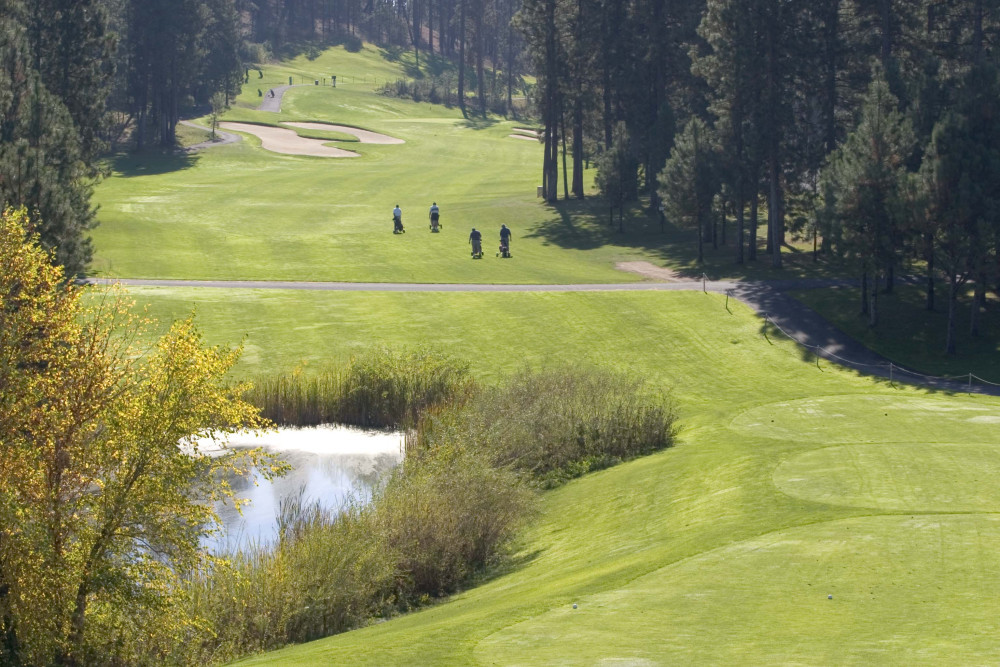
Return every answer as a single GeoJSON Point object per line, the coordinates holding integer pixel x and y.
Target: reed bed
{"type": "Point", "coordinates": [555, 424]}
{"type": "Point", "coordinates": [379, 388]}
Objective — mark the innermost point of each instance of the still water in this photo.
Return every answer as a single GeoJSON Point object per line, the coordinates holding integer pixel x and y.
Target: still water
{"type": "Point", "coordinates": [330, 464]}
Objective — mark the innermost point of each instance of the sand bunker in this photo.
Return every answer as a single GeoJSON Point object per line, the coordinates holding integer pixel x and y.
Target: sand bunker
{"type": "Point", "coordinates": [281, 140]}
{"type": "Point", "coordinates": [523, 136]}
{"type": "Point", "coordinates": [364, 136]}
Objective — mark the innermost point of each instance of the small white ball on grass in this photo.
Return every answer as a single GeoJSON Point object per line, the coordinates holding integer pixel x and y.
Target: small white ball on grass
{"type": "Point", "coordinates": [829, 597]}
{"type": "Point", "coordinates": [574, 605]}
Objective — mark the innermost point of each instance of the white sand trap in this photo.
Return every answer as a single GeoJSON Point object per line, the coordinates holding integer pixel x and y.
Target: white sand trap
{"type": "Point", "coordinates": [364, 136]}
{"type": "Point", "coordinates": [523, 136]}
{"type": "Point", "coordinates": [525, 130]}
{"type": "Point", "coordinates": [281, 140]}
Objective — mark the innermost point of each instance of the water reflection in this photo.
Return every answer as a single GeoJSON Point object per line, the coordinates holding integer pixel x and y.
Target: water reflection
{"type": "Point", "coordinates": [329, 464]}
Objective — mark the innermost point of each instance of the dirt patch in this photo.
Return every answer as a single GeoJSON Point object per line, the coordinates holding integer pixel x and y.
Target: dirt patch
{"type": "Point", "coordinates": [651, 271]}
{"type": "Point", "coordinates": [364, 136]}
{"type": "Point", "coordinates": [281, 140]}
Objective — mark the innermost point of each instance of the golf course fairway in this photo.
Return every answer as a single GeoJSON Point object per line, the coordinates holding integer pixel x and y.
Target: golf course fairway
{"type": "Point", "coordinates": [807, 515]}
{"type": "Point", "coordinates": [790, 482]}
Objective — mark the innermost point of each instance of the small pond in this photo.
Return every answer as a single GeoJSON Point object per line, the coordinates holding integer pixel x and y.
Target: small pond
{"type": "Point", "coordinates": [329, 464]}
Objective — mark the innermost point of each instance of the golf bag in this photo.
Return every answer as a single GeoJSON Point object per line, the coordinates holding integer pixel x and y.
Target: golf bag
{"type": "Point", "coordinates": [504, 249]}
{"type": "Point", "coordinates": [435, 225]}
{"type": "Point", "coordinates": [397, 226]}
{"type": "Point", "coordinates": [477, 249]}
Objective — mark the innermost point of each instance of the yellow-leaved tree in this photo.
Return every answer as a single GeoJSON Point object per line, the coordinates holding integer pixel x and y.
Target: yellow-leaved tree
{"type": "Point", "coordinates": [104, 490]}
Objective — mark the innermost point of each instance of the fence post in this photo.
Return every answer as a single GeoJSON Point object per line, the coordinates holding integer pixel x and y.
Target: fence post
{"type": "Point", "coordinates": [703, 279]}
{"type": "Point", "coordinates": [970, 383]}
{"type": "Point", "coordinates": [890, 375]}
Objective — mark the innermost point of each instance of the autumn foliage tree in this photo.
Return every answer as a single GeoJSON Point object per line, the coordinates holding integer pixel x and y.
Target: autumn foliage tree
{"type": "Point", "coordinates": [104, 488]}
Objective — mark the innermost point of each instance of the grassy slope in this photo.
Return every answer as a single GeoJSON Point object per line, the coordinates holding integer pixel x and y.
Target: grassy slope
{"type": "Point", "coordinates": [790, 483]}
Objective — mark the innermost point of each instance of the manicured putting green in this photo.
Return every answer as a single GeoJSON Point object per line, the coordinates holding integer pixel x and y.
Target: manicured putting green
{"type": "Point", "coordinates": [851, 418]}
{"type": "Point", "coordinates": [897, 477]}
{"type": "Point", "coordinates": [906, 590]}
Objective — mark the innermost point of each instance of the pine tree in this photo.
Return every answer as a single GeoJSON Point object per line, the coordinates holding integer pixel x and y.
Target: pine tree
{"type": "Point", "coordinates": [868, 174]}
{"type": "Point", "coordinates": [42, 164]}
{"type": "Point", "coordinates": [688, 183]}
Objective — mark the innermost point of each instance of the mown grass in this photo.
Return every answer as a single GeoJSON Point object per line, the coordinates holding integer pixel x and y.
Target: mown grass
{"type": "Point", "coordinates": [911, 336]}
{"type": "Point", "coordinates": [239, 212]}
{"type": "Point", "coordinates": [705, 538]}
{"type": "Point", "coordinates": [669, 540]}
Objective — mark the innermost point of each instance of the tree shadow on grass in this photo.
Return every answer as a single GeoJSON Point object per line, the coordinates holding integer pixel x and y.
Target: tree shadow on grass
{"type": "Point", "coordinates": [151, 163]}
{"type": "Point", "coordinates": [503, 567]}
{"type": "Point", "coordinates": [588, 224]}
{"type": "Point", "coordinates": [478, 122]}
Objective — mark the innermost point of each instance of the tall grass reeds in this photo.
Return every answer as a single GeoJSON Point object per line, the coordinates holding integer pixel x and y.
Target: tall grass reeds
{"type": "Point", "coordinates": [379, 388]}
{"type": "Point", "coordinates": [555, 424]}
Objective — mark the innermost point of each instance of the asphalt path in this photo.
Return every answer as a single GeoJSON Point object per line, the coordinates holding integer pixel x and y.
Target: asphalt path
{"type": "Point", "coordinates": [222, 138]}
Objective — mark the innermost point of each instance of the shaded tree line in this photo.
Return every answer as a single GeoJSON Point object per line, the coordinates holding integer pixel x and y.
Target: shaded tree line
{"type": "Point", "coordinates": [78, 75]}
{"type": "Point", "coordinates": [479, 34]}
{"type": "Point", "coordinates": [863, 122]}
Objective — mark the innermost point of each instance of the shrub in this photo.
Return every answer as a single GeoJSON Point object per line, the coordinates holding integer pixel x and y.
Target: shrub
{"type": "Point", "coordinates": [446, 513]}
{"type": "Point", "coordinates": [556, 424]}
{"type": "Point", "coordinates": [329, 572]}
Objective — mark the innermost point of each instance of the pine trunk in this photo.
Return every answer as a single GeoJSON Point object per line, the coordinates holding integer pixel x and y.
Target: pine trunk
{"type": "Point", "coordinates": [752, 240]}
{"type": "Point", "coordinates": [461, 56]}
{"type": "Point", "coordinates": [873, 298]}
{"type": "Point", "coordinates": [949, 343]}
{"type": "Point", "coordinates": [739, 221]}
{"type": "Point", "coordinates": [562, 136]}
{"type": "Point", "coordinates": [929, 256]}
{"type": "Point", "coordinates": [864, 293]}
{"type": "Point", "coordinates": [831, 37]}
{"type": "Point", "coordinates": [480, 73]}
{"type": "Point", "coordinates": [578, 147]}
{"type": "Point", "coordinates": [978, 301]}
{"type": "Point", "coordinates": [774, 207]}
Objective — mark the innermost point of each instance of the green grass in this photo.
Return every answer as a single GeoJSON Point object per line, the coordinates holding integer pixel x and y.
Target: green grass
{"type": "Point", "coordinates": [240, 212]}
{"type": "Point", "coordinates": [790, 482]}
{"type": "Point", "coordinates": [912, 337]}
